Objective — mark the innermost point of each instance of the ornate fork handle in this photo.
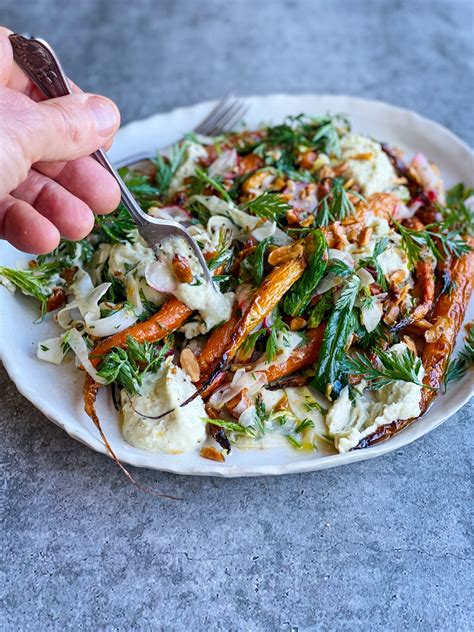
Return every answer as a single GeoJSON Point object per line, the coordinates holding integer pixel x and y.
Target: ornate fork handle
{"type": "Point", "coordinates": [39, 62]}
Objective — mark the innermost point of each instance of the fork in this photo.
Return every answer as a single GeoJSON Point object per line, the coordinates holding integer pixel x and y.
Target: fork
{"type": "Point", "coordinates": [38, 60]}
{"type": "Point", "coordinates": [224, 116]}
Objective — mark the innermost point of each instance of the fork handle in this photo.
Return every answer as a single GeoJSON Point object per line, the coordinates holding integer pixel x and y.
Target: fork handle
{"type": "Point", "coordinates": [37, 59]}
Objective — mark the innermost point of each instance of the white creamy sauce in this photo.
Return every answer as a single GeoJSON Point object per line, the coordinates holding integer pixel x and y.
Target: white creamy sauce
{"type": "Point", "coordinates": [128, 262]}
{"type": "Point", "coordinates": [370, 166]}
{"type": "Point", "coordinates": [193, 153]}
{"type": "Point", "coordinates": [348, 422]}
{"type": "Point", "coordinates": [181, 430]}
{"type": "Point", "coordinates": [213, 306]}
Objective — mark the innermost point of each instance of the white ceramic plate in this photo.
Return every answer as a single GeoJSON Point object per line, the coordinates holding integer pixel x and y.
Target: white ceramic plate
{"type": "Point", "coordinates": [57, 391]}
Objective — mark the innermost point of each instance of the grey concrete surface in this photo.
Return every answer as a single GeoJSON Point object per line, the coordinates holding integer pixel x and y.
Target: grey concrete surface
{"type": "Point", "coordinates": [382, 545]}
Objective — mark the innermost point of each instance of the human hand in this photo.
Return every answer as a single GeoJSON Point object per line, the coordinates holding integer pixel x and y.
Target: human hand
{"type": "Point", "coordinates": [49, 184]}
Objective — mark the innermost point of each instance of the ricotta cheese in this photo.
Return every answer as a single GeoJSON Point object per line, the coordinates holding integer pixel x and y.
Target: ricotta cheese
{"type": "Point", "coordinates": [370, 166]}
{"type": "Point", "coordinates": [181, 430]}
{"type": "Point", "coordinates": [350, 421]}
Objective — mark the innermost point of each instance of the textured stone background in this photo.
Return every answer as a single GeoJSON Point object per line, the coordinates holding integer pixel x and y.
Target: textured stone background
{"type": "Point", "coordinates": [382, 545]}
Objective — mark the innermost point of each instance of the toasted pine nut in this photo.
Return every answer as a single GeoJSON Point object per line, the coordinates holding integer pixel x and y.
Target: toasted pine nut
{"type": "Point", "coordinates": [188, 363]}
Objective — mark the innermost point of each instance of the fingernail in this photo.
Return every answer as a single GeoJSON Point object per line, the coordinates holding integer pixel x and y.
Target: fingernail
{"type": "Point", "coordinates": [104, 113]}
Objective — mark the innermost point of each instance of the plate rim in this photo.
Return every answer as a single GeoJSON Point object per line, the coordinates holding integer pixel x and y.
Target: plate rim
{"type": "Point", "coordinates": [228, 470]}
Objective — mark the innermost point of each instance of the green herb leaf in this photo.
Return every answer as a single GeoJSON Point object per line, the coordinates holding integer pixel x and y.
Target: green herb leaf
{"type": "Point", "coordinates": [252, 267]}
{"type": "Point", "coordinates": [37, 282]}
{"type": "Point", "coordinates": [231, 426]}
{"type": "Point", "coordinates": [114, 228]}
{"type": "Point", "coordinates": [341, 323]}
{"type": "Point", "coordinates": [455, 371]}
{"type": "Point", "coordinates": [279, 326]}
{"type": "Point", "coordinates": [268, 205]}
{"type": "Point", "coordinates": [336, 205]}
{"type": "Point", "coordinates": [393, 366]}
{"type": "Point", "coordinates": [166, 168]}
{"type": "Point", "coordinates": [320, 310]}
{"type": "Point", "coordinates": [127, 366]}
{"type": "Point", "coordinates": [201, 180]}
{"type": "Point", "coordinates": [299, 295]}
{"type": "Point", "coordinates": [372, 262]}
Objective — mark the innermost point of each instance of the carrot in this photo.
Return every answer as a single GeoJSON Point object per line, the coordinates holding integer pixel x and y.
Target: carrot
{"type": "Point", "coordinates": [425, 280]}
{"type": "Point", "coordinates": [451, 307]}
{"type": "Point", "coordinates": [302, 357]}
{"type": "Point", "coordinates": [216, 343]}
{"type": "Point", "coordinates": [267, 296]}
{"type": "Point", "coordinates": [172, 315]}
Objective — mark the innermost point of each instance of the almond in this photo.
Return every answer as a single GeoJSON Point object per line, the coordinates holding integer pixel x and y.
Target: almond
{"type": "Point", "coordinates": [211, 453]}
{"type": "Point", "coordinates": [189, 363]}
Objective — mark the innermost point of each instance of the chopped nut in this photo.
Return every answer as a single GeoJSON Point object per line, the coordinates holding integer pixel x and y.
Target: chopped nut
{"type": "Point", "coordinates": [365, 236]}
{"type": "Point", "coordinates": [397, 278]}
{"type": "Point", "coordinates": [181, 269]}
{"type": "Point", "coordinates": [349, 183]}
{"type": "Point", "coordinates": [213, 454]}
{"type": "Point", "coordinates": [326, 172]}
{"type": "Point", "coordinates": [306, 160]}
{"type": "Point", "coordinates": [249, 163]}
{"type": "Point", "coordinates": [189, 363]}
{"type": "Point", "coordinates": [56, 299]}
{"type": "Point", "coordinates": [340, 235]}
{"type": "Point", "coordinates": [256, 181]}
{"type": "Point", "coordinates": [421, 325]}
{"type": "Point", "coordinates": [308, 221]}
{"type": "Point", "coordinates": [297, 323]}
{"type": "Point", "coordinates": [285, 253]}
{"type": "Point", "coordinates": [437, 330]}
{"type": "Point", "coordinates": [339, 169]}
{"type": "Point", "coordinates": [391, 315]}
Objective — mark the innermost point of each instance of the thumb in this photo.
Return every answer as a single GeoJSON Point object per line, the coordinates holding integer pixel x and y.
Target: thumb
{"type": "Point", "coordinates": [71, 127]}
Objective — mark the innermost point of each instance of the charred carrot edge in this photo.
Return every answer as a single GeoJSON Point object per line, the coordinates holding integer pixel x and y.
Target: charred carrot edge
{"type": "Point", "coordinates": [451, 306]}
{"type": "Point", "coordinates": [425, 278]}
{"type": "Point", "coordinates": [274, 286]}
{"type": "Point", "coordinates": [172, 315]}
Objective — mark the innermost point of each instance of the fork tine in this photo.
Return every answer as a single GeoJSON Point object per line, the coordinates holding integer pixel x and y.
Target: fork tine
{"type": "Point", "coordinates": [209, 120]}
{"type": "Point", "coordinates": [226, 112]}
{"type": "Point", "coordinates": [233, 120]}
{"type": "Point", "coordinates": [226, 115]}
